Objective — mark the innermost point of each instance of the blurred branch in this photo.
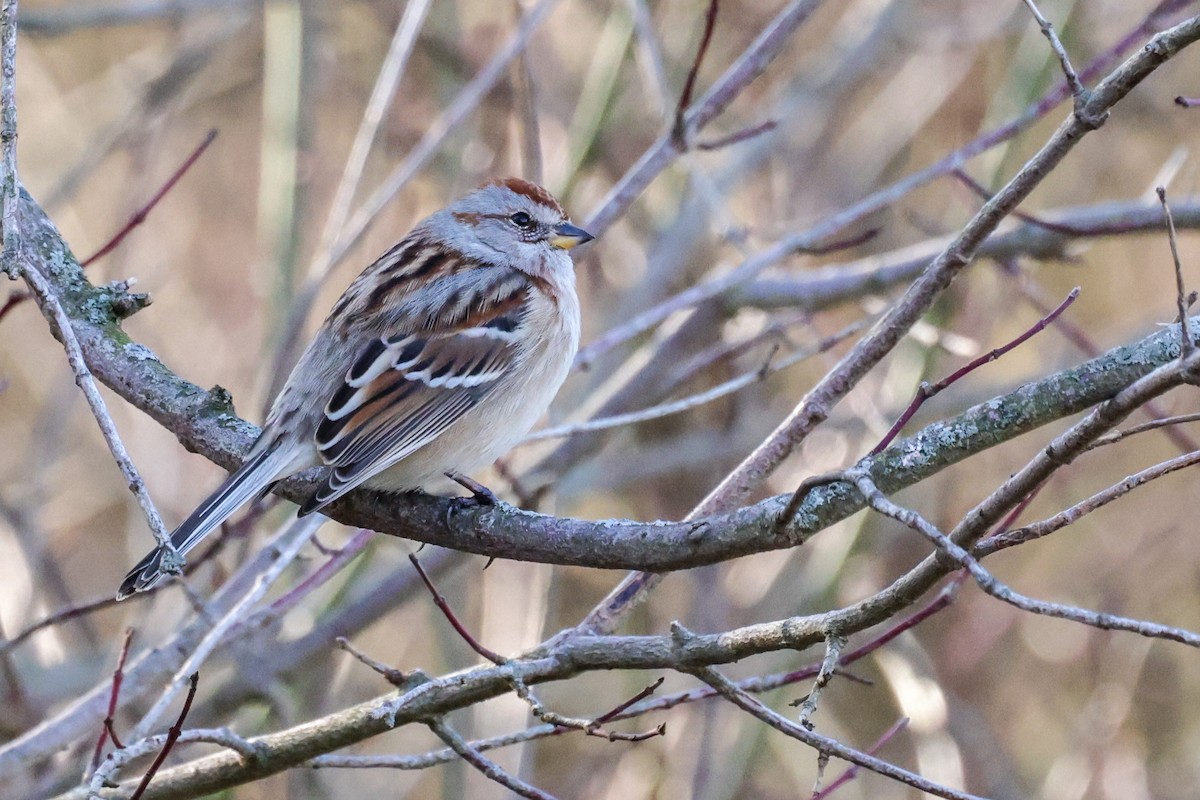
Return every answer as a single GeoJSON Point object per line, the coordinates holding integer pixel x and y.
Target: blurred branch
{"type": "Point", "coordinates": [819, 402]}
{"type": "Point", "coordinates": [298, 533]}
{"type": "Point", "coordinates": [386, 83]}
{"type": "Point", "coordinates": [90, 14]}
{"type": "Point", "coordinates": [827, 286]}
{"type": "Point", "coordinates": [853, 770]}
{"type": "Point", "coordinates": [769, 368]}
{"type": "Point", "coordinates": [624, 193]}
{"type": "Point", "coordinates": [752, 62]}
{"type": "Point", "coordinates": [147, 674]}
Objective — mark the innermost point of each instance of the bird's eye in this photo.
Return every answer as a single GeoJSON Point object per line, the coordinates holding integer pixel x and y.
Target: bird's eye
{"type": "Point", "coordinates": [521, 220]}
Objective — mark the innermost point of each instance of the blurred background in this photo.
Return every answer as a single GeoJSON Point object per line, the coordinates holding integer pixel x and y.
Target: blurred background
{"type": "Point", "coordinates": [112, 97]}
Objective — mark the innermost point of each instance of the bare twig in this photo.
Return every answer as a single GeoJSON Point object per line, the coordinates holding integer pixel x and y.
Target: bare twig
{"type": "Point", "coordinates": [12, 262]}
{"type": "Point", "coordinates": [822, 744]}
{"type": "Point", "coordinates": [737, 137]}
{"type": "Point", "coordinates": [1186, 343]}
{"type": "Point", "coordinates": [643, 705]}
{"type": "Point", "coordinates": [679, 128]}
{"type": "Point", "coordinates": [981, 191]}
{"type": "Point", "coordinates": [247, 752]}
{"type": "Point", "coordinates": [592, 727]}
{"type": "Point", "coordinates": [136, 220]}
{"type": "Point", "coordinates": [297, 533]}
{"type": "Point", "coordinates": [58, 617]}
{"type": "Point", "coordinates": [829, 665]}
{"type": "Point", "coordinates": [1078, 90]}
{"type": "Point", "coordinates": [660, 155]}
{"type": "Point", "coordinates": [444, 606]}
{"type": "Point", "coordinates": [386, 83]}
{"type": "Point", "coordinates": [656, 159]}
{"type": "Point", "coordinates": [999, 590]}
{"type": "Point", "coordinates": [489, 768]}
{"type": "Point", "coordinates": [337, 561]}
{"type": "Point", "coordinates": [527, 101]}
{"type": "Point", "coordinates": [618, 710]}
{"type": "Point", "coordinates": [853, 770]}
{"type": "Point", "coordinates": [140, 215]}
{"type": "Point", "coordinates": [390, 674]}
{"type": "Point", "coordinates": [1077, 336]}
{"type": "Point", "coordinates": [172, 562]}
{"type": "Point", "coordinates": [1026, 533]}
{"type": "Point", "coordinates": [172, 737]}
{"type": "Point", "coordinates": [927, 390]}
{"type": "Point", "coordinates": [1153, 424]}
{"type": "Point", "coordinates": [768, 368]}
{"type": "Point", "coordinates": [108, 731]}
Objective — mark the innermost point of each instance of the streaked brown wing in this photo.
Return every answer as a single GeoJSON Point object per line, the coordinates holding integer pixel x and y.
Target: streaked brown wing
{"type": "Point", "coordinates": [406, 389]}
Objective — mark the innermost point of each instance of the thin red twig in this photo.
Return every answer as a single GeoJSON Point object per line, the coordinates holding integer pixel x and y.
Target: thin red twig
{"type": "Point", "coordinates": [981, 190]}
{"type": "Point", "coordinates": [118, 676]}
{"type": "Point", "coordinates": [738, 137]}
{"type": "Point", "coordinates": [337, 560]}
{"type": "Point", "coordinates": [926, 390]}
{"type": "Point", "coordinates": [1186, 344]}
{"type": "Point", "coordinates": [172, 736]}
{"type": "Point", "coordinates": [853, 770]}
{"type": "Point", "coordinates": [1034, 295]}
{"type": "Point", "coordinates": [64, 615]}
{"type": "Point", "coordinates": [679, 132]}
{"type": "Point", "coordinates": [140, 215]}
{"type": "Point", "coordinates": [637, 698]}
{"type": "Point", "coordinates": [1017, 511]}
{"type": "Point", "coordinates": [442, 604]}
{"type": "Point", "coordinates": [596, 726]}
{"type": "Point", "coordinates": [15, 299]}
{"type": "Point", "coordinates": [943, 600]}
{"type": "Point", "coordinates": [841, 244]}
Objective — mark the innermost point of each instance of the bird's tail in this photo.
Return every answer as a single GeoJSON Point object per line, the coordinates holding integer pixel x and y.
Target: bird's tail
{"type": "Point", "coordinates": [256, 475]}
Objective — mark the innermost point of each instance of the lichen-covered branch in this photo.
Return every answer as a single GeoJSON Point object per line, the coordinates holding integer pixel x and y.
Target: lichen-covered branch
{"type": "Point", "coordinates": [205, 422]}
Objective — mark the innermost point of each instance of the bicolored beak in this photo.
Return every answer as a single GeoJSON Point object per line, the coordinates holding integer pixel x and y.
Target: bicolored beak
{"type": "Point", "coordinates": [566, 236]}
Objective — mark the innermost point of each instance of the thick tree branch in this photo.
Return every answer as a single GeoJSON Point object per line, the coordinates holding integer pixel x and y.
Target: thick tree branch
{"type": "Point", "coordinates": [205, 422]}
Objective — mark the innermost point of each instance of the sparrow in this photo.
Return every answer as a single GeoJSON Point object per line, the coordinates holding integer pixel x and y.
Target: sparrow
{"type": "Point", "coordinates": [438, 358]}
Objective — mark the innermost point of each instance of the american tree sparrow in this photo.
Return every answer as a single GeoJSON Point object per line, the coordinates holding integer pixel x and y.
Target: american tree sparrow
{"type": "Point", "coordinates": [436, 360]}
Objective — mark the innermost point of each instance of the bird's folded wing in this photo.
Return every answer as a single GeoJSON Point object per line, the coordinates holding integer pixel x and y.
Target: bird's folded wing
{"type": "Point", "coordinates": [405, 390]}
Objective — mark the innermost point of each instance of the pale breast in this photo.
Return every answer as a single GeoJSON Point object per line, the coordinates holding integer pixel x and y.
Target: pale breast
{"type": "Point", "coordinates": [509, 412]}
